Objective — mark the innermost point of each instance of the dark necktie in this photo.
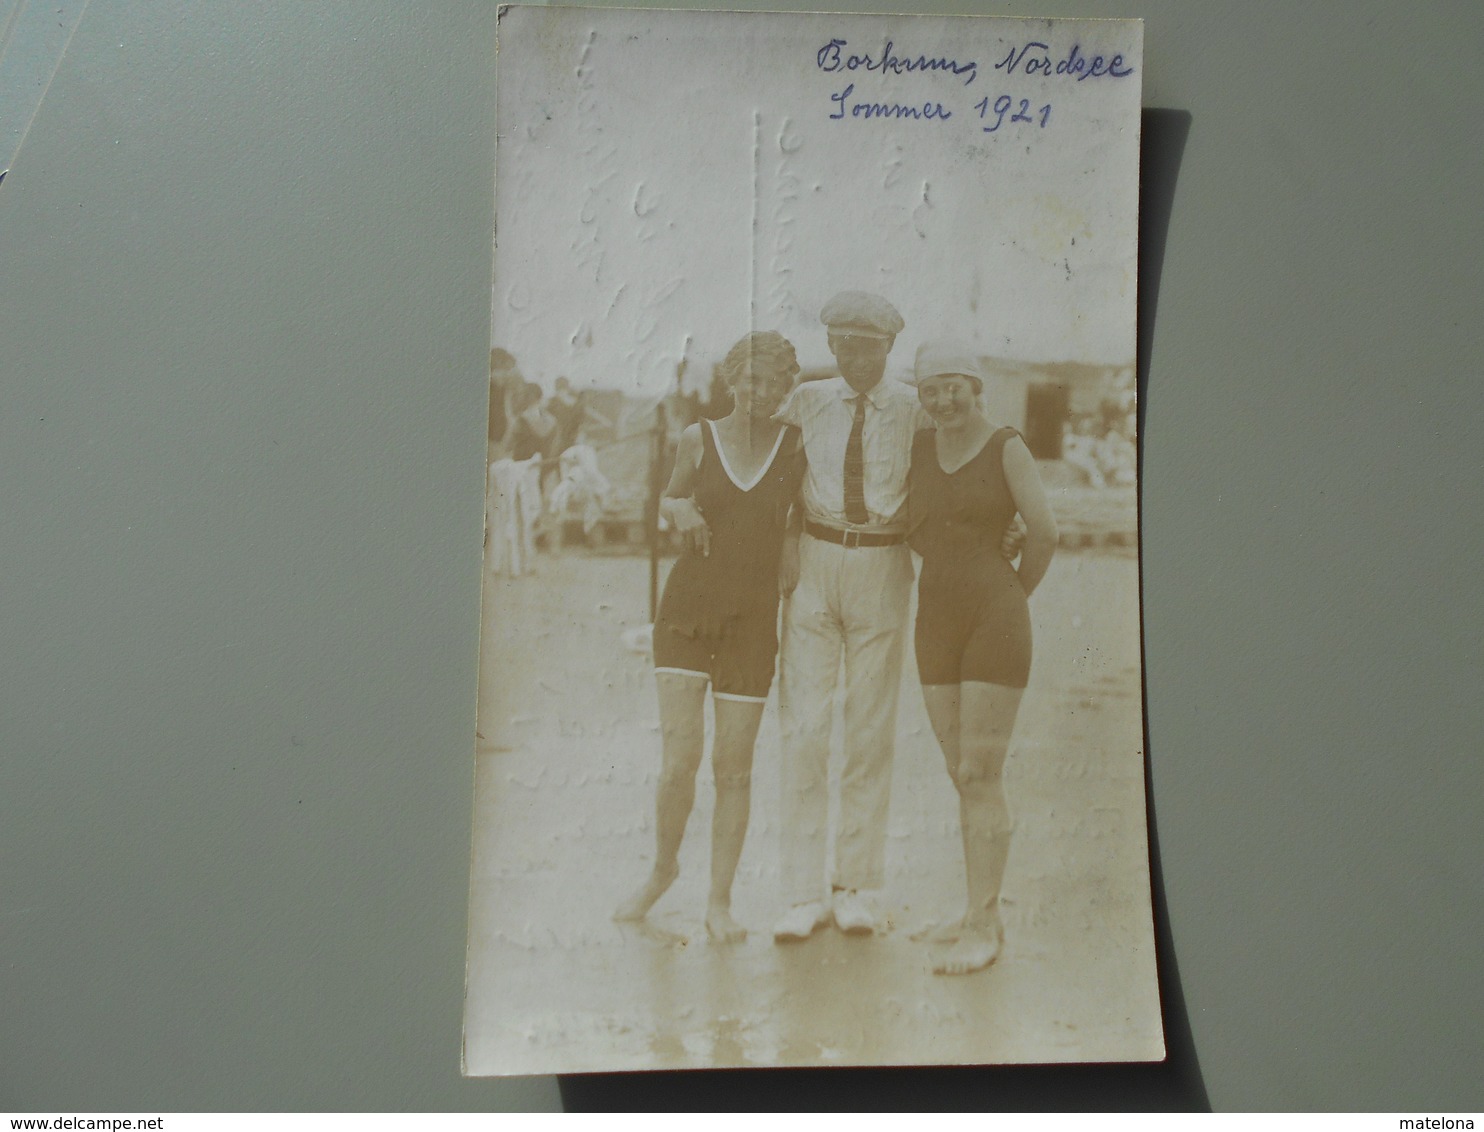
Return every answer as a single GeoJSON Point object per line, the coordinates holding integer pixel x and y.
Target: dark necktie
{"type": "Point", "coordinates": [855, 468]}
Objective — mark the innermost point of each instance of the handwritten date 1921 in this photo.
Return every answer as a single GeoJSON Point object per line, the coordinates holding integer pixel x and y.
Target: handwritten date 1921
{"type": "Point", "coordinates": [1001, 106]}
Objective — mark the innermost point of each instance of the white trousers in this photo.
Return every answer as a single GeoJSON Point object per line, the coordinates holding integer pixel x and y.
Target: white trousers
{"type": "Point", "coordinates": [512, 505]}
{"type": "Point", "coordinates": [851, 603]}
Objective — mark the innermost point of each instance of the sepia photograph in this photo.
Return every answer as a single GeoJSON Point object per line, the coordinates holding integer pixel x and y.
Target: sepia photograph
{"type": "Point", "coordinates": [810, 725]}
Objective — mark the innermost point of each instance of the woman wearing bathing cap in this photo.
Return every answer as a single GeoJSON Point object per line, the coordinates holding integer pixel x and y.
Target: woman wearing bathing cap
{"type": "Point", "coordinates": [968, 480]}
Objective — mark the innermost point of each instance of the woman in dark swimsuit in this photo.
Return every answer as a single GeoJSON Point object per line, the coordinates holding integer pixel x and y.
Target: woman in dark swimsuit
{"type": "Point", "coordinates": [968, 480]}
{"type": "Point", "coordinates": [734, 482]}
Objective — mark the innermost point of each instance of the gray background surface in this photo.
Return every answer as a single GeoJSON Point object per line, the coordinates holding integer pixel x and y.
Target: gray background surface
{"type": "Point", "coordinates": [244, 268]}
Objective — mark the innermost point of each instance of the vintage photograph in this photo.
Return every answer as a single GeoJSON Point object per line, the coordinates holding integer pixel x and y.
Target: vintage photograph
{"type": "Point", "coordinates": [809, 722]}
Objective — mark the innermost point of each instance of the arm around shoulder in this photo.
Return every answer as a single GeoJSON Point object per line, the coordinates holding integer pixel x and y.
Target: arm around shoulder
{"type": "Point", "coordinates": [800, 405]}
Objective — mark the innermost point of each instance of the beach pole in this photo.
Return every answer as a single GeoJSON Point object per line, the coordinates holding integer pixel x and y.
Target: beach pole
{"type": "Point", "coordinates": [652, 510]}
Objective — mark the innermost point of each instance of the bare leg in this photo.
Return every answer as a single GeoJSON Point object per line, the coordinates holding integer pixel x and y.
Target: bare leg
{"type": "Point", "coordinates": [942, 702]}
{"type": "Point", "coordinates": [986, 720]}
{"type": "Point", "coordinates": [682, 736]}
{"type": "Point", "coordinates": [731, 761]}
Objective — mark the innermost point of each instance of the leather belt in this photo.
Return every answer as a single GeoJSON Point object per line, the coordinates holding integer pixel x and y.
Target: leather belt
{"type": "Point", "coordinates": [852, 539]}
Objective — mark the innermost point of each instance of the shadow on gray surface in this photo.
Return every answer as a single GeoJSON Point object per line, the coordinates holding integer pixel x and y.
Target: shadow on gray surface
{"type": "Point", "coordinates": [1174, 1085]}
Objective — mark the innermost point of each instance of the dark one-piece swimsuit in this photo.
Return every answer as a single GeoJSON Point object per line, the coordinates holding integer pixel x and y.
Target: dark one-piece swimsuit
{"type": "Point", "coordinates": [973, 622]}
{"type": "Point", "coordinates": [718, 617]}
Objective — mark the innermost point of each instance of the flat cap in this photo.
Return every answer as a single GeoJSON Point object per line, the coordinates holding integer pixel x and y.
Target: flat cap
{"type": "Point", "coordinates": [937, 359]}
{"type": "Point", "coordinates": [860, 312]}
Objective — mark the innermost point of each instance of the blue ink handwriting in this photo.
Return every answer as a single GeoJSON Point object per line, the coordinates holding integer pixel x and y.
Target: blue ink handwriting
{"type": "Point", "coordinates": [830, 58]}
{"type": "Point", "coordinates": [885, 109]}
{"type": "Point", "coordinates": [1074, 64]}
{"type": "Point", "coordinates": [1003, 104]}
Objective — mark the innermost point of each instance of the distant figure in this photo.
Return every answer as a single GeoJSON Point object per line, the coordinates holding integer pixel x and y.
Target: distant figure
{"type": "Point", "coordinates": [730, 495]}
{"type": "Point", "coordinates": [534, 430]}
{"type": "Point", "coordinates": [592, 426]}
{"type": "Point", "coordinates": [1079, 449]}
{"type": "Point", "coordinates": [504, 376]}
{"type": "Point", "coordinates": [1109, 458]}
{"type": "Point", "coordinates": [581, 483]}
{"type": "Point", "coordinates": [512, 509]}
{"type": "Point", "coordinates": [509, 518]}
{"type": "Point", "coordinates": [533, 437]}
{"type": "Point", "coordinates": [565, 407]}
{"type": "Point", "coordinates": [968, 480]}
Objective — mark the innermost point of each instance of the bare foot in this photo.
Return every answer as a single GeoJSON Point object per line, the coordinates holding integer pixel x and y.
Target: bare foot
{"type": "Point", "coordinates": [939, 933]}
{"type": "Point", "coordinates": [651, 931]}
{"type": "Point", "coordinates": [722, 928]}
{"type": "Point", "coordinates": [636, 907]}
{"type": "Point", "coordinates": [974, 951]}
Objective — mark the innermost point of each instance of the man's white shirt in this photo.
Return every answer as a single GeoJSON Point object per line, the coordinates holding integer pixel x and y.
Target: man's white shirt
{"type": "Point", "coordinates": [825, 412]}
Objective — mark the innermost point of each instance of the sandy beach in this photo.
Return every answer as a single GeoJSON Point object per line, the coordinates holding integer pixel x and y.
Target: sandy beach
{"type": "Point", "coordinates": [568, 759]}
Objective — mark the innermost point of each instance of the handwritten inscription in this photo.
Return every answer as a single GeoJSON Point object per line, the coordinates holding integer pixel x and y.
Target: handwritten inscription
{"type": "Point", "coordinates": [1001, 108]}
{"type": "Point", "coordinates": [833, 57]}
{"type": "Point", "coordinates": [1034, 58]}
{"type": "Point", "coordinates": [885, 109]}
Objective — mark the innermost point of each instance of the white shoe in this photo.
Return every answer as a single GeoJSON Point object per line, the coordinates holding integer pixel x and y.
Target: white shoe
{"type": "Point", "coordinates": [852, 915]}
{"type": "Point", "coordinates": [801, 921]}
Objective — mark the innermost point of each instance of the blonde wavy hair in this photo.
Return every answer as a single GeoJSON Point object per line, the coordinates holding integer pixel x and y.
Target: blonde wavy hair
{"type": "Point", "coordinates": [762, 349]}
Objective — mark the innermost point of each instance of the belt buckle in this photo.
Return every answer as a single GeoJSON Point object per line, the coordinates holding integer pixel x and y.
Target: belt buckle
{"type": "Point", "coordinates": [851, 540]}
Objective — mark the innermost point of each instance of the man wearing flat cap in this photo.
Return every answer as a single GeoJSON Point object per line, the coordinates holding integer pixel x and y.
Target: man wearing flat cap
{"type": "Point", "coordinates": [851, 599]}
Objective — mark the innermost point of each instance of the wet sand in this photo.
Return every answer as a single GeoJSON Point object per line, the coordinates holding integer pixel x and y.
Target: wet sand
{"type": "Point", "coordinates": [564, 807]}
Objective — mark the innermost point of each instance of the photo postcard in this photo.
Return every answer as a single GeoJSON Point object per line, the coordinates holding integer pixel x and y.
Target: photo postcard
{"type": "Point", "coordinates": [810, 721]}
